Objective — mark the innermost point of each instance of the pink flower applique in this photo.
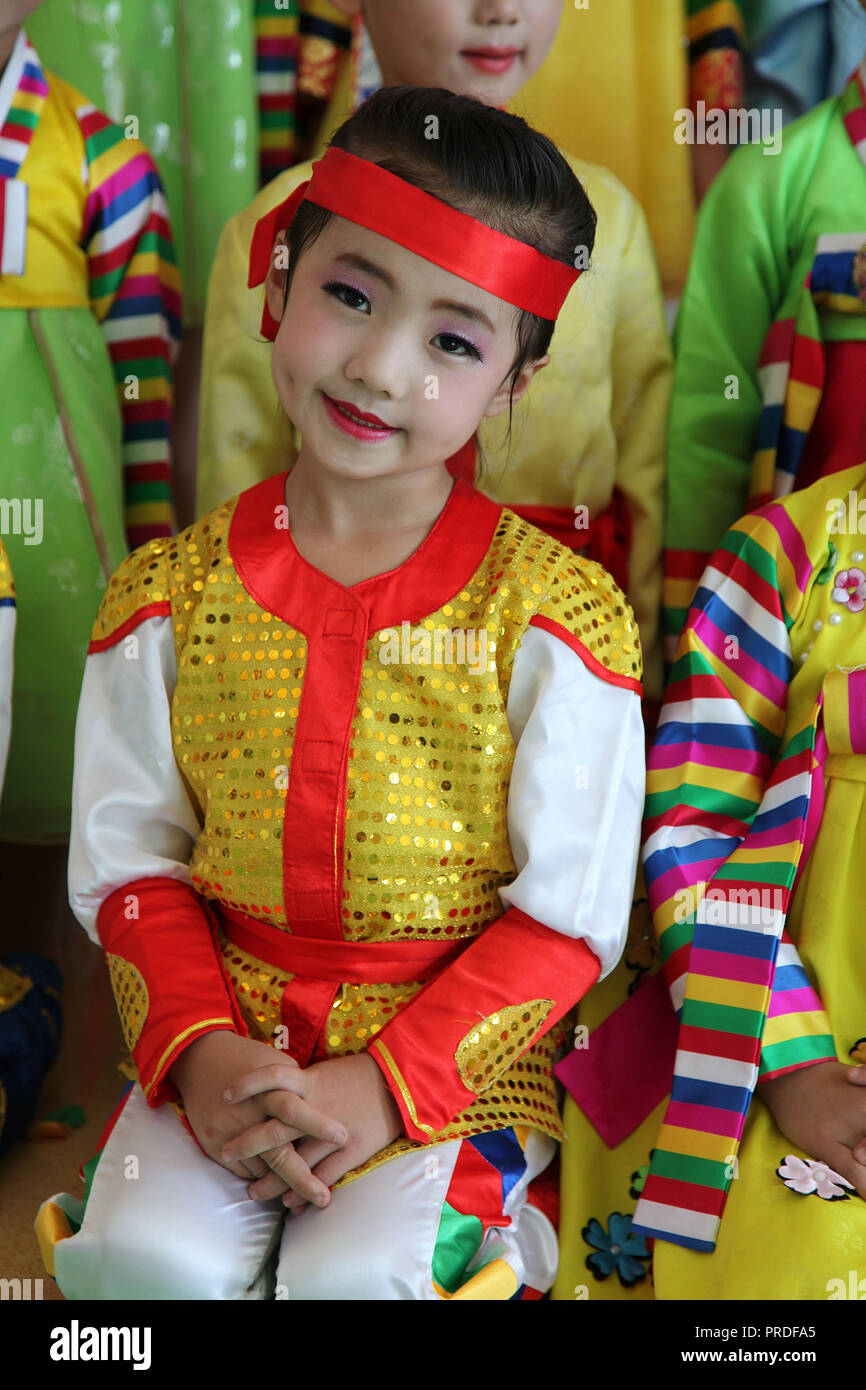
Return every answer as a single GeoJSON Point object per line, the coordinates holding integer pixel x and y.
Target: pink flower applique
{"type": "Point", "coordinates": [807, 1175]}
{"type": "Point", "coordinates": [849, 588]}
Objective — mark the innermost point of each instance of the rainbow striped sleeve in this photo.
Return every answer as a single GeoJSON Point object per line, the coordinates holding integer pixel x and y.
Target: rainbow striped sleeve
{"type": "Point", "coordinates": [725, 823]}
{"type": "Point", "coordinates": [135, 293]}
{"type": "Point", "coordinates": [798, 1032]}
{"type": "Point", "coordinates": [715, 34]}
{"type": "Point", "coordinates": [276, 83]}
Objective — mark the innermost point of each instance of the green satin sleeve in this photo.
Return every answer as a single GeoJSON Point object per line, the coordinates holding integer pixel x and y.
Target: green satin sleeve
{"type": "Point", "coordinates": [186, 70]}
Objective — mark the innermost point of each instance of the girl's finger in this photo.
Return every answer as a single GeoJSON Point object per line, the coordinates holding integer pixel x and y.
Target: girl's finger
{"type": "Point", "coordinates": [314, 1151]}
{"type": "Point", "coordinates": [295, 1173]}
{"type": "Point", "coordinates": [856, 1075]}
{"type": "Point", "coordinates": [258, 1139]}
{"type": "Point", "coordinates": [256, 1167]}
{"type": "Point", "coordinates": [332, 1168]}
{"type": "Point", "coordinates": [276, 1076]}
{"type": "Point", "coordinates": [240, 1170]}
{"type": "Point", "coordinates": [290, 1119]}
{"type": "Point", "coordinates": [295, 1204]}
{"type": "Point", "coordinates": [840, 1158]}
{"type": "Point", "coordinates": [304, 1119]}
{"type": "Point", "coordinates": [860, 1152]}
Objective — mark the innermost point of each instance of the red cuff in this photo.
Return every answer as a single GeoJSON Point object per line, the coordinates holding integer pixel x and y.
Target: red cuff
{"type": "Point", "coordinates": [169, 976]}
{"type": "Point", "coordinates": [516, 965]}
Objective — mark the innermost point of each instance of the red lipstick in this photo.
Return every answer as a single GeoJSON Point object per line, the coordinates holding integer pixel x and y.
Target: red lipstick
{"type": "Point", "coordinates": [358, 423]}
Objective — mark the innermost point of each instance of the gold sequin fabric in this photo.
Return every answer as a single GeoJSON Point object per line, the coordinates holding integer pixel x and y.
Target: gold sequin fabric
{"type": "Point", "coordinates": [258, 988]}
{"type": "Point", "coordinates": [493, 1042]}
{"type": "Point", "coordinates": [240, 676]}
{"type": "Point", "coordinates": [586, 601]}
{"type": "Point", "coordinates": [130, 993]}
{"type": "Point", "coordinates": [426, 844]}
{"type": "Point", "coordinates": [7, 588]}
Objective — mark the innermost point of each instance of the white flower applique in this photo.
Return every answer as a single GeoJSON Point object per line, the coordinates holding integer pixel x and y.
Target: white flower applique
{"type": "Point", "coordinates": [809, 1175]}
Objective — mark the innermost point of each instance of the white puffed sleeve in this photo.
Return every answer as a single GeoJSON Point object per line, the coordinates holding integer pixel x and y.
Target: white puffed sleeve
{"type": "Point", "coordinates": [576, 796]}
{"type": "Point", "coordinates": [7, 643]}
{"type": "Point", "coordinates": [131, 814]}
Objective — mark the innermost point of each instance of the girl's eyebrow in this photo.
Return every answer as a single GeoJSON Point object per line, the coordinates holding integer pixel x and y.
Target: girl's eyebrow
{"type": "Point", "coordinates": [466, 310]}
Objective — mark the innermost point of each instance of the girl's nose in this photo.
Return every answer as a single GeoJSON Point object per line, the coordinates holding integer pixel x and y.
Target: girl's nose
{"type": "Point", "coordinates": [381, 363]}
{"type": "Point", "coordinates": [496, 12]}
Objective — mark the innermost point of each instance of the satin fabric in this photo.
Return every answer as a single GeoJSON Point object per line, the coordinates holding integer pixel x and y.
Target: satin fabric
{"type": "Point", "coordinates": [164, 1221]}
{"type": "Point", "coordinates": [365, 193]}
{"type": "Point", "coordinates": [54, 367]}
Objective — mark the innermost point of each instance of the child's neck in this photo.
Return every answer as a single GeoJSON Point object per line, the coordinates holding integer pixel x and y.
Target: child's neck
{"type": "Point", "coordinates": [7, 43]}
{"type": "Point", "coordinates": [353, 529]}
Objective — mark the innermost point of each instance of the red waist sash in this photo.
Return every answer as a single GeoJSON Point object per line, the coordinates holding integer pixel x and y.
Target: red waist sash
{"type": "Point", "coordinates": [318, 966]}
{"type": "Point", "coordinates": [361, 962]}
{"type": "Point", "coordinates": [607, 538]}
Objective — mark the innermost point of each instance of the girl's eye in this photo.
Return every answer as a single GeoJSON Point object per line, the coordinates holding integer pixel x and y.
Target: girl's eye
{"type": "Point", "coordinates": [347, 294]}
{"type": "Point", "coordinates": [457, 347]}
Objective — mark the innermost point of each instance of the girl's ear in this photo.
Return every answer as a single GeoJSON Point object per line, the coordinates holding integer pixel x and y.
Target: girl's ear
{"type": "Point", "coordinates": [504, 395]}
{"type": "Point", "coordinates": [347, 7]}
{"type": "Point", "coordinates": [275, 282]}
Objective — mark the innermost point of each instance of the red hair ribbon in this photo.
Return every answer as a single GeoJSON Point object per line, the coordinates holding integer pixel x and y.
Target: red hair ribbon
{"type": "Point", "coordinates": [369, 195]}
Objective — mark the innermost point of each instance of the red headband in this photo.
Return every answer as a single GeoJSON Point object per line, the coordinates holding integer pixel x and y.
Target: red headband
{"type": "Point", "coordinates": [366, 193]}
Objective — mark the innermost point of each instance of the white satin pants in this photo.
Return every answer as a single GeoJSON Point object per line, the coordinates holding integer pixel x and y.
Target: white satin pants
{"type": "Point", "coordinates": [164, 1221]}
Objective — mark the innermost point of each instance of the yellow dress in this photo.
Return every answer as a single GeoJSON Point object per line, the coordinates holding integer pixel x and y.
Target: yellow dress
{"type": "Point", "coordinates": [775, 1242]}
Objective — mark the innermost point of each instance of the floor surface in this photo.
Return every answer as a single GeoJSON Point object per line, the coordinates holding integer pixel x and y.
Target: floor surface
{"type": "Point", "coordinates": [38, 919]}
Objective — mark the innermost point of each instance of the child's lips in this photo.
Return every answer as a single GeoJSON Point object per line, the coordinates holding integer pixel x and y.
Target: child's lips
{"type": "Point", "coordinates": [357, 425]}
{"type": "Point", "coordinates": [490, 58]}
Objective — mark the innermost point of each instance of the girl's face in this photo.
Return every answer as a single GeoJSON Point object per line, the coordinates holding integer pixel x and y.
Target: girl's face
{"type": "Point", "coordinates": [371, 329]}
{"type": "Point", "coordinates": [483, 48]}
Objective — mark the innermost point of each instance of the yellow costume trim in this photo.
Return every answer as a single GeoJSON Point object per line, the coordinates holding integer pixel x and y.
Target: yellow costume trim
{"type": "Point", "coordinates": [51, 1226]}
{"type": "Point", "coordinates": [181, 1037]}
{"type": "Point", "coordinates": [404, 1089]}
{"type": "Point", "coordinates": [496, 1281]}
{"type": "Point", "coordinates": [7, 587]}
{"type": "Point", "coordinates": [723, 15]}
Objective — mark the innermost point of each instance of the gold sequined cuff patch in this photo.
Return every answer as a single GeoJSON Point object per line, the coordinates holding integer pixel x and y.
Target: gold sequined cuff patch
{"type": "Point", "coordinates": [497, 1040]}
{"type": "Point", "coordinates": [13, 987]}
{"type": "Point", "coordinates": [130, 991]}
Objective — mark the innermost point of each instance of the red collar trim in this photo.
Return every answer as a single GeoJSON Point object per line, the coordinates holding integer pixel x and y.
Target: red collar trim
{"type": "Point", "coordinates": [282, 582]}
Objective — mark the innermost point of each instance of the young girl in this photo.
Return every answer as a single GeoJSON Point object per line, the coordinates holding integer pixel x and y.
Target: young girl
{"type": "Point", "coordinates": [359, 772]}
{"type": "Point", "coordinates": [585, 460]}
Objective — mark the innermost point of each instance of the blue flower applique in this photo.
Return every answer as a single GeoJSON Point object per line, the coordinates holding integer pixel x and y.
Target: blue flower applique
{"type": "Point", "coordinates": [617, 1250]}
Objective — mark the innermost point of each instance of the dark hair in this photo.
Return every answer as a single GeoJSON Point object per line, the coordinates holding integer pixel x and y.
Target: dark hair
{"type": "Point", "coordinates": [484, 162]}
